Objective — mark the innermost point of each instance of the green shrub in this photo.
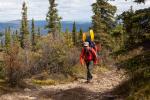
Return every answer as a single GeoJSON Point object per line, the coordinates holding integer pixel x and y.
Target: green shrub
{"type": "Point", "coordinates": [57, 56]}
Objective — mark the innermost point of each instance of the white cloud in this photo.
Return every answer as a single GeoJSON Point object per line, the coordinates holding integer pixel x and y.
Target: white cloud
{"type": "Point", "coordinates": [75, 10]}
{"type": "Point", "coordinates": [123, 5]}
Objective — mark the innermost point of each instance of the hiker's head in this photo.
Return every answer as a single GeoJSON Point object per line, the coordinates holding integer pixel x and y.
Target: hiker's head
{"type": "Point", "coordinates": [86, 44]}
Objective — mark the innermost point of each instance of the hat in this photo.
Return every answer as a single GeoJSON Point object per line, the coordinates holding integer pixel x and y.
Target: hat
{"type": "Point", "coordinates": [86, 44]}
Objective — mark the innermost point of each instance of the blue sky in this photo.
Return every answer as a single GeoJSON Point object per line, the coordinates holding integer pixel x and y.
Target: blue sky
{"type": "Point", "coordinates": [70, 10]}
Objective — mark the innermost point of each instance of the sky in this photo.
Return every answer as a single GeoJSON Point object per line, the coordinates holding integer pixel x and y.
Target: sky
{"type": "Point", "coordinates": [69, 10]}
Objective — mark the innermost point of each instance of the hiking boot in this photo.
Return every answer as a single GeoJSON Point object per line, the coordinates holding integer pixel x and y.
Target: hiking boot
{"type": "Point", "coordinates": [88, 81]}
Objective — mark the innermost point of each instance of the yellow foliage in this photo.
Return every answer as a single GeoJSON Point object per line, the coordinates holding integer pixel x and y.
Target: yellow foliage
{"type": "Point", "coordinates": [44, 82]}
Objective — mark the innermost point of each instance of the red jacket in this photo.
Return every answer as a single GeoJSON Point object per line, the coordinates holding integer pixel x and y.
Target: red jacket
{"type": "Point", "coordinates": [84, 57]}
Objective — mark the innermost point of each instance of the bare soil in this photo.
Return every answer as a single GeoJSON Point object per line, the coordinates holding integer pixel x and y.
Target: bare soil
{"type": "Point", "coordinates": [99, 89]}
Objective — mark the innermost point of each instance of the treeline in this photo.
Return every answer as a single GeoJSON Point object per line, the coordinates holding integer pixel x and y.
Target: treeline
{"type": "Point", "coordinates": [137, 25]}
{"type": "Point", "coordinates": [134, 54]}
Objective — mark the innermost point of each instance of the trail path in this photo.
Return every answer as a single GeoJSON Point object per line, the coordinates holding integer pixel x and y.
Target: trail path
{"type": "Point", "coordinates": [98, 89]}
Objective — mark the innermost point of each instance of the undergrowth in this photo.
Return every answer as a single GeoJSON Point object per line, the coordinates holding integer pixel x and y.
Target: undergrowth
{"type": "Point", "coordinates": [137, 64]}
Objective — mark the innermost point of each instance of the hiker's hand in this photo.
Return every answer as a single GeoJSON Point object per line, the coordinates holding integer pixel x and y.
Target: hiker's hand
{"type": "Point", "coordinates": [82, 63]}
{"type": "Point", "coordinates": [95, 62]}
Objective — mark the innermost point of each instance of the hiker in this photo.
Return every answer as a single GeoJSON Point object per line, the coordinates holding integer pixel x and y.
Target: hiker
{"type": "Point", "coordinates": [88, 57]}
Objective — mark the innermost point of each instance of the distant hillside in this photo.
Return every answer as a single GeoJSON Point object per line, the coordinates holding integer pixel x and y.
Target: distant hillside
{"type": "Point", "coordinates": [65, 24]}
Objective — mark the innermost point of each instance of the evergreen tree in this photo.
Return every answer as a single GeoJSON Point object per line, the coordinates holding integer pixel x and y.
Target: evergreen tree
{"type": "Point", "coordinates": [16, 32]}
{"type": "Point", "coordinates": [59, 27]}
{"type": "Point", "coordinates": [22, 36]}
{"type": "Point", "coordinates": [17, 35]}
{"type": "Point", "coordinates": [140, 1]}
{"type": "Point", "coordinates": [13, 37]}
{"type": "Point", "coordinates": [74, 33]}
{"type": "Point", "coordinates": [33, 35]}
{"type": "Point", "coordinates": [39, 32]}
{"type": "Point", "coordinates": [103, 16]}
{"type": "Point", "coordinates": [7, 37]}
{"type": "Point", "coordinates": [136, 25]}
{"type": "Point", "coordinates": [80, 34]}
{"type": "Point", "coordinates": [127, 17]}
{"type": "Point", "coordinates": [24, 25]}
{"type": "Point", "coordinates": [67, 35]}
{"type": "Point", "coordinates": [103, 21]}
{"type": "Point", "coordinates": [53, 19]}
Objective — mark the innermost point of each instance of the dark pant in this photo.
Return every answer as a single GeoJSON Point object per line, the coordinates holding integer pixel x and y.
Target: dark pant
{"type": "Point", "coordinates": [89, 70]}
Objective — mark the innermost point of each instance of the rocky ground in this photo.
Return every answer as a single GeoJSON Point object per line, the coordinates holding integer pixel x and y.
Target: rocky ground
{"type": "Point", "coordinates": [99, 89]}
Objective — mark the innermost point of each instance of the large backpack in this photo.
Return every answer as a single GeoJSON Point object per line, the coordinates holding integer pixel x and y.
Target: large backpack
{"type": "Point", "coordinates": [91, 43]}
{"type": "Point", "coordinates": [89, 37]}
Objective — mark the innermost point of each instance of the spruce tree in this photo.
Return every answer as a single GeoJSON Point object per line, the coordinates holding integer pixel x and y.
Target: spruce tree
{"type": "Point", "coordinates": [103, 21]}
{"type": "Point", "coordinates": [17, 35]}
{"type": "Point", "coordinates": [22, 36]}
{"type": "Point", "coordinates": [13, 37]}
{"type": "Point", "coordinates": [7, 37]}
{"type": "Point", "coordinates": [16, 32]}
{"type": "Point", "coordinates": [39, 32]}
{"type": "Point", "coordinates": [53, 19]}
{"type": "Point", "coordinates": [33, 35]}
{"type": "Point", "coordinates": [103, 16]}
{"type": "Point", "coordinates": [80, 34]}
{"type": "Point", "coordinates": [24, 26]}
{"type": "Point", "coordinates": [140, 1]}
{"type": "Point", "coordinates": [59, 27]}
{"type": "Point", "coordinates": [74, 33]}
{"type": "Point", "coordinates": [67, 35]}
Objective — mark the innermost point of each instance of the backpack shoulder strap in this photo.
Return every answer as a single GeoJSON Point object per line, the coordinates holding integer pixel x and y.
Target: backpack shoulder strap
{"type": "Point", "coordinates": [93, 52]}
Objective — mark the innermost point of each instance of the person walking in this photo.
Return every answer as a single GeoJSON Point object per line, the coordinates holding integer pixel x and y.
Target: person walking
{"type": "Point", "coordinates": [89, 58]}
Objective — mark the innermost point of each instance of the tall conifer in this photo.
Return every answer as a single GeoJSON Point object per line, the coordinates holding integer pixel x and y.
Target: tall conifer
{"type": "Point", "coordinates": [24, 26]}
{"type": "Point", "coordinates": [74, 33]}
{"type": "Point", "coordinates": [53, 19]}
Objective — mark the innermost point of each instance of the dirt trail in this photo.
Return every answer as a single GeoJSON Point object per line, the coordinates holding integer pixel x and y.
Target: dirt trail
{"type": "Point", "coordinates": [98, 89]}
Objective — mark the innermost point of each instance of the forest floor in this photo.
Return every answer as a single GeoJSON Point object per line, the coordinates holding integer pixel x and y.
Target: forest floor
{"type": "Point", "coordinates": [100, 88]}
